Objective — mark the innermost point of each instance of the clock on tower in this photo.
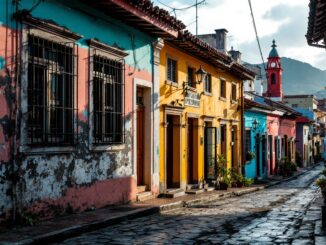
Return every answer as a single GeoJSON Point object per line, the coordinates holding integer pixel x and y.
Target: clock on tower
{"type": "Point", "coordinates": [274, 75]}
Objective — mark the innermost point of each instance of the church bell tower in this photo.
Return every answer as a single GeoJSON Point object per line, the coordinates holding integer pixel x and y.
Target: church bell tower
{"type": "Point", "coordinates": [274, 75]}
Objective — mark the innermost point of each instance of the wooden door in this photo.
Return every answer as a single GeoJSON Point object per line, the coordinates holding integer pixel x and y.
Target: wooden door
{"type": "Point", "coordinates": [169, 152]}
{"type": "Point", "coordinates": [140, 145]}
{"type": "Point", "coordinates": [190, 150]}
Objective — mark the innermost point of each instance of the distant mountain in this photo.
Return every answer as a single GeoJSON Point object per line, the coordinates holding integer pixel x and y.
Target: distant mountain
{"type": "Point", "coordinates": [302, 78]}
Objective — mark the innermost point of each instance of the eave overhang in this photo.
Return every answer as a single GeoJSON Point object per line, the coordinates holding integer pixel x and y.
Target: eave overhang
{"type": "Point", "coordinates": [140, 14]}
{"type": "Point", "coordinates": [316, 33]}
{"type": "Point", "coordinates": [200, 49]}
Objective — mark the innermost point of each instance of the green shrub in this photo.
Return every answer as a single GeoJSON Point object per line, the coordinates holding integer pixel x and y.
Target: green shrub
{"type": "Point", "coordinates": [321, 182]}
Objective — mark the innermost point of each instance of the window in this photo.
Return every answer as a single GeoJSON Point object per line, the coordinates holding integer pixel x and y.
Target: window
{"type": "Point", "coordinates": [223, 133]}
{"type": "Point", "coordinates": [51, 86]}
{"type": "Point", "coordinates": [208, 83]}
{"type": "Point", "coordinates": [172, 70]}
{"type": "Point", "coordinates": [107, 100]}
{"type": "Point", "coordinates": [223, 88]}
{"type": "Point", "coordinates": [190, 77]}
{"type": "Point", "coordinates": [234, 92]}
{"type": "Point", "coordinates": [273, 78]}
{"type": "Point", "coordinates": [248, 140]}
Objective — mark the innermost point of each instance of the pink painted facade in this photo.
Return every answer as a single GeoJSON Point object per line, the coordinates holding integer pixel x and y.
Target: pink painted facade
{"type": "Point", "coordinates": [273, 126]}
{"type": "Point", "coordinates": [48, 179]}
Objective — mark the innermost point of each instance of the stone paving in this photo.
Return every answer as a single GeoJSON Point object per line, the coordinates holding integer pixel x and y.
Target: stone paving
{"type": "Point", "coordinates": [288, 213]}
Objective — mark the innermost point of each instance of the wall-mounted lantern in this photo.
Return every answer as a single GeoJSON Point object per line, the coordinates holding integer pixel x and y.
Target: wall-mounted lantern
{"type": "Point", "coordinates": [254, 125]}
{"type": "Point", "coordinates": [200, 77]}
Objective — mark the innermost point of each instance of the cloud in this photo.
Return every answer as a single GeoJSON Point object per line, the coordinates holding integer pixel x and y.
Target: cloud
{"type": "Point", "coordinates": [284, 20]}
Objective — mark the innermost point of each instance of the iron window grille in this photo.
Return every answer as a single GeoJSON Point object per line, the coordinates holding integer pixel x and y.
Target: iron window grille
{"type": "Point", "coordinates": [52, 86]}
{"type": "Point", "coordinates": [172, 70]}
{"type": "Point", "coordinates": [108, 97]}
{"type": "Point", "coordinates": [208, 83]}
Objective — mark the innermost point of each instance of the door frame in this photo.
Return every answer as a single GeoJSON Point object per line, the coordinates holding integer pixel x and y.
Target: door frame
{"type": "Point", "coordinates": [176, 111]}
{"type": "Point", "coordinates": [148, 134]}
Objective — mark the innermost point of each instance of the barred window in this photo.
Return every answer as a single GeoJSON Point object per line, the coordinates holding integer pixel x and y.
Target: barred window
{"type": "Point", "coordinates": [107, 100]}
{"type": "Point", "coordinates": [247, 140]}
{"type": "Point", "coordinates": [208, 83]}
{"type": "Point", "coordinates": [172, 70]}
{"type": "Point", "coordinates": [51, 86]}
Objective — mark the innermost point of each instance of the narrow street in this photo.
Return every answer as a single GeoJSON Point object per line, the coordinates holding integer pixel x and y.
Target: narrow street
{"type": "Point", "coordinates": [270, 216]}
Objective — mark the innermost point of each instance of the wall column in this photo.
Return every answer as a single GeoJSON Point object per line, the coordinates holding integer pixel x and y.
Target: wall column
{"type": "Point", "coordinates": [156, 46]}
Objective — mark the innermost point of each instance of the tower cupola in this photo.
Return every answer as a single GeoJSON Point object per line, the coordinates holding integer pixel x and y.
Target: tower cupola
{"type": "Point", "coordinates": [274, 75]}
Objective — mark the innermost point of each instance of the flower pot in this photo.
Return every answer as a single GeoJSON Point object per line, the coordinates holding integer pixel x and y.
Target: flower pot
{"type": "Point", "coordinates": [223, 186]}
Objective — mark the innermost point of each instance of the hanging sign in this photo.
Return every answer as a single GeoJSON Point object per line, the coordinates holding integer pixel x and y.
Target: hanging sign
{"type": "Point", "coordinates": [192, 99]}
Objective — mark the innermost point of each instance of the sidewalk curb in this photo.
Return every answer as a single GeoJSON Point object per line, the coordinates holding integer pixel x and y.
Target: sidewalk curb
{"type": "Point", "coordinates": [60, 235]}
{"type": "Point", "coordinates": [69, 232]}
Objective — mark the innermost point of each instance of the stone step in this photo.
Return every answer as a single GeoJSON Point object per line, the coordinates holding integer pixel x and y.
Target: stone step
{"type": "Point", "coordinates": [195, 191]}
{"type": "Point", "coordinates": [210, 188]}
{"type": "Point", "coordinates": [173, 193]}
{"type": "Point", "coordinates": [143, 196]}
{"type": "Point", "coordinates": [192, 186]}
{"type": "Point", "coordinates": [141, 188]}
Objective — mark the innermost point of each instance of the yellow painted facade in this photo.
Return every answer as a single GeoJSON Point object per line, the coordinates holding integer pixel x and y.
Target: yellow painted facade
{"type": "Point", "coordinates": [213, 111]}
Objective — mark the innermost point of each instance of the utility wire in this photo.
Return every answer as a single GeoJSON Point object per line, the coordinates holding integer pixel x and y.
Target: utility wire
{"type": "Point", "coordinates": [257, 38]}
{"type": "Point", "coordinates": [180, 9]}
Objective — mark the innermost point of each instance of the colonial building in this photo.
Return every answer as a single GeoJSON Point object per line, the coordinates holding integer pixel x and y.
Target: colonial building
{"type": "Point", "coordinates": [270, 124]}
{"type": "Point", "coordinates": [79, 111]}
{"type": "Point", "coordinates": [198, 119]}
{"type": "Point", "coordinates": [308, 106]}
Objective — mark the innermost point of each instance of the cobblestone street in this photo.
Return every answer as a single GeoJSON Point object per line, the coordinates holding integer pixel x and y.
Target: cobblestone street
{"type": "Point", "coordinates": [284, 214]}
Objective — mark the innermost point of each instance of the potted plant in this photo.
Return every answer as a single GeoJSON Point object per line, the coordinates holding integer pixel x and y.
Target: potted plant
{"type": "Point", "coordinates": [223, 178]}
{"type": "Point", "coordinates": [321, 182]}
{"type": "Point", "coordinates": [248, 181]}
{"type": "Point", "coordinates": [249, 156]}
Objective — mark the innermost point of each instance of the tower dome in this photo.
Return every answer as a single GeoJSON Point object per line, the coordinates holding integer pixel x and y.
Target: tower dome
{"type": "Point", "coordinates": [273, 53]}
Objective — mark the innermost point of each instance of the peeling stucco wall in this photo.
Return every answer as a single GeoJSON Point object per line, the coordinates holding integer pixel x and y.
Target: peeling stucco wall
{"type": "Point", "coordinates": [76, 178]}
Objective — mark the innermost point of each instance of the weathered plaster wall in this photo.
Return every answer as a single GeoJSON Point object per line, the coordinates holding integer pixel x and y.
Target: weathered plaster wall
{"type": "Point", "coordinates": [78, 179]}
{"type": "Point", "coordinates": [273, 124]}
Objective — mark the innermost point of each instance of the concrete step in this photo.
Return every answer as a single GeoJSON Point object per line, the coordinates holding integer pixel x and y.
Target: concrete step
{"type": "Point", "coordinates": [143, 196]}
{"type": "Point", "coordinates": [195, 191]}
{"type": "Point", "coordinates": [141, 188]}
{"type": "Point", "coordinates": [173, 193]}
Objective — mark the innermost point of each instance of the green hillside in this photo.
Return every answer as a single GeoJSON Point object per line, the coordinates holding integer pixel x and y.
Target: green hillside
{"type": "Point", "coordinates": [302, 78]}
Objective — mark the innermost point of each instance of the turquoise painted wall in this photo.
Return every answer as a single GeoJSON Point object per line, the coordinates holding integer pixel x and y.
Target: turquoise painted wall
{"type": "Point", "coordinates": [251, 167]}
{"type": "Point", "coordinates": [91, 24]}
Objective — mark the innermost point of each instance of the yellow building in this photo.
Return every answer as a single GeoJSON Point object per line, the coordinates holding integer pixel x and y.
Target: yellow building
{"type": "Point", "coordinates": [198, 120]}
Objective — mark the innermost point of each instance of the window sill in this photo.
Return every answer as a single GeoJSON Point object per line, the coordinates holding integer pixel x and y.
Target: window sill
{"type": "Point", "coordinates": [171, 83]}
{"type": "Point", "coordinates": [207, 93]}
{"type": "Point", "coordinates": [117, 147]}
{"type": "Point", "coordinates": [234, 102]}
{"type": "Point", "coordinates": [192, 89]}
{"type": "Point", "coordinates": [222, 98]}
{"type": "Point", "coordinates": [46, 150]}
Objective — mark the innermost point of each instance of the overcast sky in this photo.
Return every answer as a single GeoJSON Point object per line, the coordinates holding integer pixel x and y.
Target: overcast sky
{"type": "Point", "coordinates": [284, 20]}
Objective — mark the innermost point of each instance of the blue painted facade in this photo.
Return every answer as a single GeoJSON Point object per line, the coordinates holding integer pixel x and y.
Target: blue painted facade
{"type": "Point", "coordinates": [251, 167]}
